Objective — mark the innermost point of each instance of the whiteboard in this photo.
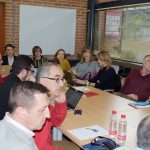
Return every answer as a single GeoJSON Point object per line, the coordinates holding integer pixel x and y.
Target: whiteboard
{"type": "Point", "coordinates": [49, 28]}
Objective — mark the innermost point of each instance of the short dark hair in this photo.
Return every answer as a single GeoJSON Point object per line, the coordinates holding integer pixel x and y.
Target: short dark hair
{"type": "Point", "coordinates": [22, 95]}
{"type": "Point", "coordinates": [20, 63]}
{"type": "Point", "coordinates": [35, 48]}
{"type": "Point", "coordinates": [143, 134]}
{"type": "Point", "coordinates": [9, 45]}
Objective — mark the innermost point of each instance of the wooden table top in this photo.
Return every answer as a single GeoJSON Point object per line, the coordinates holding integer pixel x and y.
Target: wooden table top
{"type": "Point", "coordinates": [96, 110]}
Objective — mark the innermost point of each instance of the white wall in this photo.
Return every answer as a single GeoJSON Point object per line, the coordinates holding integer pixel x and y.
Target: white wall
{"type": "Point", "coordinates": [49, 28]}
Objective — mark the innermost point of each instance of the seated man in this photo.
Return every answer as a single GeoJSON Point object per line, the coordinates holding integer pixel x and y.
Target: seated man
{"type": "Point", "coordinates": [28, 110]}
{"type": "Point", "coordinates": [22, 69]}
{"type": "Point", "coordinates": [51, 76]}
{"type": "Point", "coordinates": [137, 84]}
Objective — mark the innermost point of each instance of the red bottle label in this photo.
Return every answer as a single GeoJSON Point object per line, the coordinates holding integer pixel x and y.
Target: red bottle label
{"type": "Point", "coordinates": [121, 137]}
{"type": "Point", "coordinates": [111, 132]}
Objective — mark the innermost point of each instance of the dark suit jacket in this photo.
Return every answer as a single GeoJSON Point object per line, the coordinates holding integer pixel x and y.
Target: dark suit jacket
{"type": "Point", "coordinates": [5, 60]}
{"type": "Point", "coordinates": [11, 80]}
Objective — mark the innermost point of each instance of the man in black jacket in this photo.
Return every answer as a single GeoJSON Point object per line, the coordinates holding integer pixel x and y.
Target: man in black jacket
{"type": "Point", "coordinates": [22, 69]}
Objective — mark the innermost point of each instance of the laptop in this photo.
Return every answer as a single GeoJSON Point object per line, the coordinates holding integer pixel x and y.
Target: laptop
{"type": "Point", "coordinates": [69, 79]}
{"type": "Point", "coordinates": [73, 97]}
{"type": "Point", "coordinates": [5, 69]}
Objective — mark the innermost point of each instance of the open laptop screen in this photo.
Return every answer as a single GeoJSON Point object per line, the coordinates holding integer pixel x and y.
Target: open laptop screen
{"type": "Point", "coordinates": [73, 96]}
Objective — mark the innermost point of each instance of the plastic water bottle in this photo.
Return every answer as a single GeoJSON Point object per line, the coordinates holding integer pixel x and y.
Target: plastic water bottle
{"type": "Point", "coordinates": [122, 130]}
{"type": "Point", "coordinates": [113, 125]}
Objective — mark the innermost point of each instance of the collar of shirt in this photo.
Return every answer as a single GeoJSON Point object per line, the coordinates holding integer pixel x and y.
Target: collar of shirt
{"type": "Point", "coordinates": [10, 60]}
{"type": "Point", "coordinates": [18, 125]}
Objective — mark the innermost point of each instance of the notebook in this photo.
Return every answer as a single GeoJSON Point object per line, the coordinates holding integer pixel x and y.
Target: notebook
{"type": "Point", "coordinates": [145, 104]}
{"type": "Point", "coordinates": [5, 69]}
{"type": "Point", "coordinates": [69, 79]}
{"type": "Point", "coordinates": [73, 97]}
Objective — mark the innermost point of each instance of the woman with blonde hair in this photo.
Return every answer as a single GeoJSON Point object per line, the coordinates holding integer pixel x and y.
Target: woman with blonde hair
{"type": "Point", "coordinates": [87, 68]}
{"type": "Point", "coordinates": [60, 58]}
{"type": "Point", "coordinates": [106, 78]}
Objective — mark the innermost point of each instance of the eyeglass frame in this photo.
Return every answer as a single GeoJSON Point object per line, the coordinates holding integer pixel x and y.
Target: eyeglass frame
{"type": "Point", "coordinates": [93, 142]}
{"type": "Point", "coordinates": [56, 79]}
{"type": "Point", "coordinates": [32, 71]}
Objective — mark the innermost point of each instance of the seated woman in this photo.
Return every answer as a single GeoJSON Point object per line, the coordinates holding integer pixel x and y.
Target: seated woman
{"type": "Point", "coordinates": [60, 58]}
{"type": "Point", "coordinates": [86, 68]}
{"type": "Point", "coordinates": [106, 79]}
{"type": "Point", "coordinates": [38, 58]}
{"type": "Point", "coordinates": [9, 58]}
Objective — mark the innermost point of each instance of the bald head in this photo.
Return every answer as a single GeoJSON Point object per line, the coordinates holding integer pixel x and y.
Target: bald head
{"type": "Point", "coordinates": [146, 64]}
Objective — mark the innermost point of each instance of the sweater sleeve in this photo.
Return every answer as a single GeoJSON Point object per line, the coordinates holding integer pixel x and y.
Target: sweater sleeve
{"type": "Point", "coordinates": [66, 65]}
{"type": "Point", "coordinates": [58, 113]}
{"type": "Point", "coordinates": [105, 79]}
{"type": "Point", "coordinates": [125, 89]}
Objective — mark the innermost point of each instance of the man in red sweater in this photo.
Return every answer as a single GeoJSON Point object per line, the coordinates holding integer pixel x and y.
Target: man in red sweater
{"type": "Point", "coordinates": [137, 84]}
{"type": "Point", "coordinates": [51, 76]}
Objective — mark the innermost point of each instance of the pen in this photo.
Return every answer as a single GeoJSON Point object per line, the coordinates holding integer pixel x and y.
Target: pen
{"type": "Point", "coordinates": [94, 130]}
{"type": "Point", "coordinates": [133, 106]}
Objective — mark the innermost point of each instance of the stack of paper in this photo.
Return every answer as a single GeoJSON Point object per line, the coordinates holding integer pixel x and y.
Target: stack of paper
{"type": "Point", "coordinates": [88, 132]}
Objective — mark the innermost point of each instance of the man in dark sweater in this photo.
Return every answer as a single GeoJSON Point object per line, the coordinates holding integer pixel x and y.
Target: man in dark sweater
{"type": "Point", "coordinates": [137, 84]}
{"type": "Point", "coordinates": [22, 69]}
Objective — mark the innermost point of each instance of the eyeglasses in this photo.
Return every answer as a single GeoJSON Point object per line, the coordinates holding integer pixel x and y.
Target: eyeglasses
{"type": "Point", "coordinates": [104, 142]}
{"type": "Point", "coordinates": [32, 71]}
{"type": "Point", "coordinates": [56, 79]}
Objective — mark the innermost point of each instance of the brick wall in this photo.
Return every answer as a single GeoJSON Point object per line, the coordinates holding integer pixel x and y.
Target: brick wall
{"type": "Point", "coordinates": [12, 18]}
{"type": "Point", "coordinates": [104, 1]}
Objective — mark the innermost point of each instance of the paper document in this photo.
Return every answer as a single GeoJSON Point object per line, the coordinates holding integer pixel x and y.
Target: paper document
{"type": "Point", "coordinates": [88, 132]}
{"type": "Point", "coordinates": [81, 88]}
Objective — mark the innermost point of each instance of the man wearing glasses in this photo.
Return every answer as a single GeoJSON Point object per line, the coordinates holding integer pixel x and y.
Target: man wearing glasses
{"type": "Point", "coordinates": [51, 76]}
{"type": "Point", "coordinates": [22, 69]}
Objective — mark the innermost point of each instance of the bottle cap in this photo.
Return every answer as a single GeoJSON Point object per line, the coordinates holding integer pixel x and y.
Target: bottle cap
{"type": "Point", "coordinates": [114, 112]}
{"type": "Point", "coordinates": [123, 116]}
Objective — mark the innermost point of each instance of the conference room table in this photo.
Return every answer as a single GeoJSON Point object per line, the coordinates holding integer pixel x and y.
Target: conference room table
{"type": "Point", "coordinates": [96, 110]}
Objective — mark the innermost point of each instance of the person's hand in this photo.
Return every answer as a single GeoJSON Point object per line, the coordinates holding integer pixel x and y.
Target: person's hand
{"type": "Point", "coordinates": [60, 97]}
{"type": "Point", "coordinates": [31, 78]}
{"type": "Point", "coordinates": [80, 81]}
{"type": "Point", "coordinates": [134, 96]}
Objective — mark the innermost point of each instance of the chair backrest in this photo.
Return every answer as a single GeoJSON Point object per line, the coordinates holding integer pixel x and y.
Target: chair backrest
{"type": "Point", "coordinates": [5, 69]}
{"type": "Point", "coordinates": [117, 84]}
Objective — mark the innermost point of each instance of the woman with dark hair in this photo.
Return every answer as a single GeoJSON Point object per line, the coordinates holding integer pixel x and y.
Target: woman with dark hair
{"type": "Point", "coordinates": [87, 68]}
{"type": "Point", "coordinates": [9, 58]}
{"type": "Point", "coordinates": [38, 58]}
{"type": "Point", "coordinates": [106, 79]}
{"type": "Point", "coordinates": [60, 58]}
